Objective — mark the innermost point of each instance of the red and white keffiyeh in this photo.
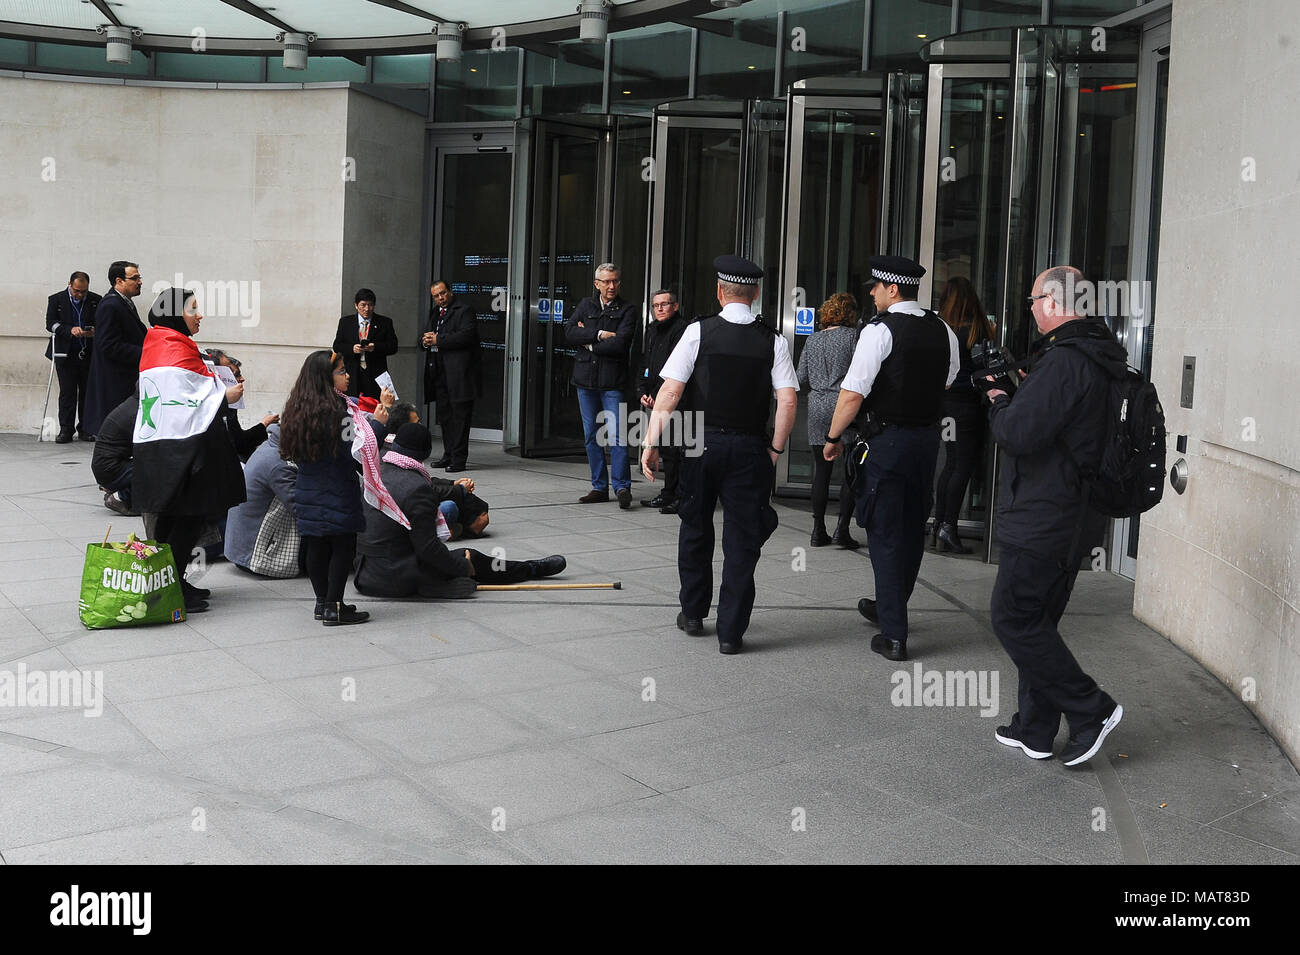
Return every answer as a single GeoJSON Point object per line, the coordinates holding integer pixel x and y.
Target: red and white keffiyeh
{"type": "Point", "coordinates": [408, 463]}
{"type": "Point", "coordinates": [365, 449]}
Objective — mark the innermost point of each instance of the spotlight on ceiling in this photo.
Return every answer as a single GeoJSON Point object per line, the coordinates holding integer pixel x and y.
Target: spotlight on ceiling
{"type": "Point", "coordinates": [725, 4]}
{"type": "Point", "coordinates": [118, 49]}
{"type": "Point", "coordinates": [449, 41]}
{"type": "Point", "coordinates": [593, 23]}
{"type": "Point", "coordinates": [295, 49]}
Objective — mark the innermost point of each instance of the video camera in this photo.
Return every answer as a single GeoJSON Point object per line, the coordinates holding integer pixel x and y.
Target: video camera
{"type": "Point", "coordinates": [989, 360]}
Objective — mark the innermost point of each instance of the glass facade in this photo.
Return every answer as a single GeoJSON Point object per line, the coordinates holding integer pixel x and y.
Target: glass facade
{"type": "Point", "coordinates": [482, 86]}
{"type": "Point", "coordinates": [409, 70]}
{"type": "Point", "coordinates": [571, 81]}
{"type": "Point", "coordinates": [212, 67]}
{"type": "Point", "coordinates": [824, 40]}
{"type": "Point", "coordinates": [649, 66]}
{"type": "Point", "coordinates": [320, 69]}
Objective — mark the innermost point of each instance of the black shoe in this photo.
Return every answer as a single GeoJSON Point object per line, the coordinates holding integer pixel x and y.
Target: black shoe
{"type": "Point", "coordinates": [547, 566]}
{"type": "Point", "coordinates": [319, 612]}
{"type": "Point", "coordinates": [86, 437]}
{"type": "Point", "coordinates": [624, 498]}
{"type": "Point", "coordinates": [692, 626]}
{"type": "Point", "coordinates": [115, 504]}
{"type": "Point", "coordinates": [189, 590]}
{"type": "Point", "coordinates": [948, 540]}
{"type": "Point", "coordinates": [594, 497]}
{"type": "Point", "coordinates": [934, 534]}
{"type": "Point", "coordinates": [867, 607]}
{"type": "Point", "coordinates": [889, 649]}
{"type": "Point", "coordinates": [656, 501]}
{"type": "Point", "coordinates": [731, 647]}
{"type": "Point", "coordinates": [340, 615]}
{"type": "Point", "coordinates": [455, 468]}
{"type": "Point", "coordinates": [1010, 736]}
{"type": "Point", "coordinates": [442, 462]}
{"type": "Point", "coordinates": [819, 536]}
{"type": "Point", "coordinates": [1083, 747]}
{"type": "Point", "coordinates": [669, 508]}
{"type": "Point", "coordinates": [195, 606]}
{"type": "Point", "coordinates": [844, 539]}
{"type": "Point", "coordinates": [63, 437]}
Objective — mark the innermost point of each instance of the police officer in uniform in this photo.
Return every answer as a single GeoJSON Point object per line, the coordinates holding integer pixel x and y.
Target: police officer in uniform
{"type": "Point", "coordinates": [729, 365]}
{"type": "Point", "coordinates": [904, 360]}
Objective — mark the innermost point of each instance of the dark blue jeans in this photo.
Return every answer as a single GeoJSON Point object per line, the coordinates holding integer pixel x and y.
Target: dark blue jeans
{"type": "Point", "coordinates": [591, 401]}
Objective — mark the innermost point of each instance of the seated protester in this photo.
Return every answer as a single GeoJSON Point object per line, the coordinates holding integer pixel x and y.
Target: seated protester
{"type": "Point", "coordinates": [245, 440]}
{"type": "Point", "coordinates": [395, 562]}
{"type": "Point", "coordinates": [111, 462]}
{"type": "Point", "coordinates": [468, 514]}
{"type": "Point", "coordinates": [260, 538]}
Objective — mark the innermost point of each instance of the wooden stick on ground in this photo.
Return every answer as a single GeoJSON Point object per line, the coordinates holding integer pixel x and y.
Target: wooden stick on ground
{"type": "Point", "coordinates": [612, 585]}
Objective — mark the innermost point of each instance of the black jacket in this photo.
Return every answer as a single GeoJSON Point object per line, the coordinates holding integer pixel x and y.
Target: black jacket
{"type": "Point", "coordinates": [115, 362]}
{"type": "Point", "coordinates": [456, 361]}
{"type": "Point", "coordinates": [382, 333]}
{"type": "Point", "coordinates": [605, 365]}
{"type": "Point", "coordinates": [1056, 422]}
{"type": "Point", "coordinates": [114, 442]}
{"type": "Point", "coordinates": [660, 340]}
{"type": "Point", "coordinates": [60, 317]}
{"type": "Point", "coordinates": [396, 560]}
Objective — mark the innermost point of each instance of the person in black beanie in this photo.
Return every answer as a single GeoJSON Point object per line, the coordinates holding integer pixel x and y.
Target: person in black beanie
{"type": "Point", "coordinates": [395, 562]}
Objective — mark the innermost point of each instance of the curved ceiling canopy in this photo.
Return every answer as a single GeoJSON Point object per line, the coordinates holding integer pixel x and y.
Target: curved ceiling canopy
{"type": "Point", "coordinates": [339, 26]}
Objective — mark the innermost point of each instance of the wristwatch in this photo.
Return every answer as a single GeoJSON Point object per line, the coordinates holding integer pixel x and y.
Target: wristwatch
{"type": "Point", "coordinates": [830, 440]}
{"type": "Point", "coordinates": [774, 450]}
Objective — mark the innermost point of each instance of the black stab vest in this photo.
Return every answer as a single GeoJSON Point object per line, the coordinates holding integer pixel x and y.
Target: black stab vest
{"type": "Point", "coordinates": [731, 384]}
{"type": "Point", "coordinates": [908, 390]}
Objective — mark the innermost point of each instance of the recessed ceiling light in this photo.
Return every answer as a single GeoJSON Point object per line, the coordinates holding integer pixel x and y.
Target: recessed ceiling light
{"type": "Point", "coordinates": [922, 36]}
{"type": "Point", "coordinates": [473, 69]}
{"type": "Point", "coordinates": [627, 92]}
{"type": "Point", "coordinates": [751, 67]}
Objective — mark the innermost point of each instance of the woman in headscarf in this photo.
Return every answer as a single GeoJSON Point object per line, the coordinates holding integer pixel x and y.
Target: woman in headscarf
{"type": "Point", "coordinates": [186, 470]}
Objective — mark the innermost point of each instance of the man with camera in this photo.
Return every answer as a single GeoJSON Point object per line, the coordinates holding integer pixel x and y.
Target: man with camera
{"type": "Point", "coordinates": [904, 360]}
{"type": "Point", "coordinates": [1059, 416]}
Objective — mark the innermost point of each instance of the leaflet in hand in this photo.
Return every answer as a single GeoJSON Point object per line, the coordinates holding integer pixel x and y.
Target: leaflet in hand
{"type": "Point", "coordinates": [386, 381]}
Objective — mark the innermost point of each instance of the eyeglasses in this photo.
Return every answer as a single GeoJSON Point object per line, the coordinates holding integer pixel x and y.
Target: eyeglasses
{"type": "Point", "coordinates": [1034, 298]}
{"type": "Point", "coordinates": [663, 304]}
{"type": "Point", "coordinates": [609, 281]}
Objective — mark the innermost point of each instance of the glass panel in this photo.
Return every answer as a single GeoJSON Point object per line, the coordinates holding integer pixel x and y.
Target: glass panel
{"type": "Point", "coordinates": [1087, 11]}
{"type": "Point", "coordinates": [208, 66]}
{"type": "Point", "coordinates": [981, 14]}
{"type": "Point", "coordinates": [410, 69]}
{"type": "Point", "coordinates": [482, 86]}
{"type": "Point", "coordinates": [474, 228]}
{"type": "Point", "coordinates": [649, 66]}
{"type": "Point", "coordinates": [564, 229]}
{"type": "Point", "coordinates": [899, 28]}
{"type": "Point", "coordinates": [631, 206]}
{"type": "Point", "coordinates": [740, 64]}
{"type": "Point", "coordinates": [87, 59]}
{"type": "Point", "coordinates": [831, 42]}
{"type": "Point", "coordinates": [320, 69]}
{"type": "Point", "coordinates": [839, 222]}
{"type": "Point", "coordinates": [13, 52]}
{"type": "Point", "coordinates": [569, 82]}
{"type": "Point", "coordinates": [765, 200]}
{"type": "Point", "coordinates": [702, 182]}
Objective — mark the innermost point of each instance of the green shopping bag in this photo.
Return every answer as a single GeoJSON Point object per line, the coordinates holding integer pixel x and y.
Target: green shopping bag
{"type": "Point", "coordinates": [131, 586]}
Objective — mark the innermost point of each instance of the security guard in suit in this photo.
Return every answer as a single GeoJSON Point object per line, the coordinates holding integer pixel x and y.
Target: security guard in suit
{"type": "Point", "coordinates": [904, 360]}
{"type": "Point", "coordinates": [729, 365]}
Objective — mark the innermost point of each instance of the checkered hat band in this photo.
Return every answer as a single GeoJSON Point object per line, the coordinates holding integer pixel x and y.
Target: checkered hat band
{"type": "Point", "coordinates": [893, 278]}
{"type": "Point", "coordinates": [737, 279]}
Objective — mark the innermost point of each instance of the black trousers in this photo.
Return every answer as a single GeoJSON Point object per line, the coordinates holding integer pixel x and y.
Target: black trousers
{"type": "Point", "coordinates": [893, 502]}
{"type": "Point", "coordinates": [670, 456]}
{"type": "Point", "coordinates": [73, 374]}
{"type": "Point", "coordinates": [181, 532]}
{"type": "Point", "coordinates": [736, 470]}
{"type": "Point", "coordinates": [498, 570]}
{"type": "Point", "coordinates": [821, 489]}
{"type": "Point", "coordinates": [329, 561]}
{"type": "Point", "coordinates": [453, 418]}
{"type": "Point", "coordinates": [1029, 598]}
{"type": "Point", "coordinates": [960, 456]}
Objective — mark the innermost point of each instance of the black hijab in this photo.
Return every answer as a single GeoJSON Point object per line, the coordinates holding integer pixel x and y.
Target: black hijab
{"type": "Point", "coordinates": [168, 310]}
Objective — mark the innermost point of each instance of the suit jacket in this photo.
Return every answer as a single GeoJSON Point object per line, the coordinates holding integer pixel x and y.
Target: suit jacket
{"type": "Point", "coordinates": [61, 316]}
{"type": "Point", "coordinates": [115, 362]}
{"type": "Point", "coordinates": [362, 381]}
{"type": "Point", "coordinates": [396, 560]}
{"type": "Point", "coordinates": [457, 359]}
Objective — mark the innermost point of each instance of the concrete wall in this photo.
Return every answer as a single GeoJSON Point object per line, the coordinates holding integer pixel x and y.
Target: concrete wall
{"type": "Point", "coordinates": [1219, 567]}
{"type": "Point", "coordinates": [244, 188]}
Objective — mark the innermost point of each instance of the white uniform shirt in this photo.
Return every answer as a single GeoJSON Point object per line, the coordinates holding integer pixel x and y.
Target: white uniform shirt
{"type": "Point", "coordinates": [681, 363]}
{"type": "Point", "coordinates": [874, 345]}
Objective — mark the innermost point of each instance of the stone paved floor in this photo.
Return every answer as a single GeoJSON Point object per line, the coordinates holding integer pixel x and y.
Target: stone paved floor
{"type": "Point", "coordinates": [228, 739]}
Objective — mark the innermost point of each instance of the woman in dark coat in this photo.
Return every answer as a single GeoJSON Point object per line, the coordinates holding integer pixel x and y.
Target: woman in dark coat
{"type": "Point", "coordinates": [822, 365]}
{"type": "Point", "coordinates": [185, 469]}
{"type": "Point", "coordinates": [964, 414]}
{"type": "Point", "coordinates": [325, 434]}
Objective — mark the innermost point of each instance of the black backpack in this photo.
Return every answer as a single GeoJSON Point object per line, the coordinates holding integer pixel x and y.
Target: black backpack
{"type": "Point", "coordinates": [1130, 478]}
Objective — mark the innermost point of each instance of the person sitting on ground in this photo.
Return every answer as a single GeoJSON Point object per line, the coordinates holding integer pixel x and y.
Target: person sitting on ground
{"type": "Point", "coordinates": [395, 562]}
{"type": "Point", "coordinates": [245, 440]}
{"type": "Point", "coordinates": [261, 537]}
{"type": "Point", "coordinates": [468, 513]}
{"type": "Point", "coordinates": [111, 462]}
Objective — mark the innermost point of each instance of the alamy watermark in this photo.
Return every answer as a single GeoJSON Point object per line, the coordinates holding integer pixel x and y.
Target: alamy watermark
{"type": "Point", "coordinates": [923, 687]}
{"type": "Point", "coordinates": [232, 299]}
{"type": "Point", "coordinates": [50, 689]}
{"type": "Point", "coordinates": [682, 429]}
{"type": "Point", "coordinates": [1114, 299]}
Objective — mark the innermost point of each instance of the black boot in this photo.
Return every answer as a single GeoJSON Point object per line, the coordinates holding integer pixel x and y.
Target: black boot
{"type": "Point", "coordinates": [949, 540]}
{"type": "Point", "coordinates": [341, 614]}
{"type": "Point", "coordinates": [819, 536]}
{"type": "Point", "coordinates": [842, 536]}
{"type": "Point", "coordinates": [934, 534]}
